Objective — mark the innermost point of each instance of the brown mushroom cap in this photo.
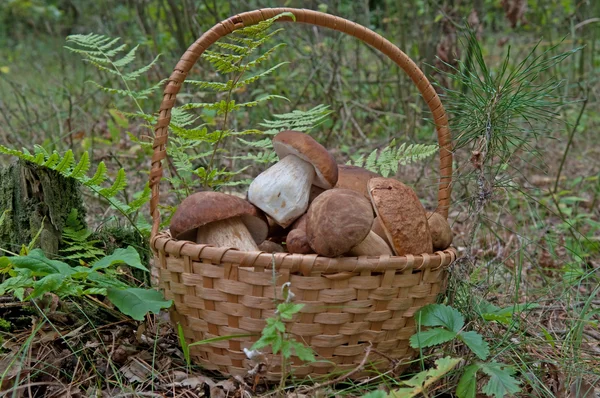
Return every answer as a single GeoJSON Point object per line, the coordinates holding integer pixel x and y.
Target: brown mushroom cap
{"type": "Point", "coordinates": [338, 220]}
{"type": "Point", "coordinates": [306, 148]}
{"type": "Point", "coordinates": [205, 207]}
{"type": "Point", "coordinates": [355, 178]}
{"type": "Point", "coordinates": [297, 242]}
{"type": "Point", "coordinates": [402, 216]}
{"type": "Point", "coordinates": [441, 233]}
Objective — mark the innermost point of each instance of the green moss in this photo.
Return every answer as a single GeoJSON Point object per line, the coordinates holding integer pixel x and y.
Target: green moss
{"type": "Point", "coordinates": [36, 198]}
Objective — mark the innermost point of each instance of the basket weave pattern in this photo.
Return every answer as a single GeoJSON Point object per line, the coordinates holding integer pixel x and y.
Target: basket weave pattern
{"type": "Point", "coordinates": [350, 302]}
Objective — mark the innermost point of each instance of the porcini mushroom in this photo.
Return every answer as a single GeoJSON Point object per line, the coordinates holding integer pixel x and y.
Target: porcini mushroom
{"type": "Point", "coordinates": [354, 178]}
{"type": "Point", "coordinates": [296, 240]}
{"type": "Point", "coordinates": [282, 191]}
{"type": "Point", "coordinates": [219, 219]}
{"type": "Point", "coordinates": [338, 220]}
{"type": "Point", "coordinates": [401, 215]}
{"type": "Point", "coordinates": [441, 233]}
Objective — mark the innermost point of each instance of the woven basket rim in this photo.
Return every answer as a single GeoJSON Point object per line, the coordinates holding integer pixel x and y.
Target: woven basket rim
{"type": "Point", "coordinates": [304, 263]}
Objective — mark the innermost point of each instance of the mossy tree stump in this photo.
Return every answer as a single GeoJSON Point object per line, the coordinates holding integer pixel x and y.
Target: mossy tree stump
{"type": "Point", "coordinates": [34, 198]}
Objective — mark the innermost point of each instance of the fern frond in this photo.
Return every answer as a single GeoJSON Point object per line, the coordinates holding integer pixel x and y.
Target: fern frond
{"type": "Point", "coordinates": [241, 50]}
{"type": "Point", "coordinates": [297, 120]}
{"type": "Point", "coordinates": [214, 86]}
{"type": "Point", "coordinates": [140, 71]}
{"type": "Point", "coordinates": [64, 166]}
{"type": "Point", "coordinates": [262, 58]}
{"type": "Point", "coordinates": [118, 185]}
{"type": "Point", "coordinates": [81, 168]}
{"type": "Point", "coordinates": [258, 30]}
{"type": "Point", "coordinates": [265, 143]}
{"type": "Point", "coordinates": [254, 78]}
{"type": "Point", "coordinates": [386, 161]}
{"type": "Point", "coordinates": [99, 176]}
{"type": "Point", "coordinates": [141, 200]}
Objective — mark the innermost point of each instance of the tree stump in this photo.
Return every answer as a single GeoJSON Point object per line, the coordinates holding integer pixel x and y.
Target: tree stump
{"type": "Point", "coordinates": [34, 198]}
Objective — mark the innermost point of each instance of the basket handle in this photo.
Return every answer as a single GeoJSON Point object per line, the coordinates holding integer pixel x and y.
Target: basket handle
{"type": "Point", "coordinates": [242, 20]}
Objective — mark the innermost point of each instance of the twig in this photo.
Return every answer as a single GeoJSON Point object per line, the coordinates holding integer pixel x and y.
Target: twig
{"type": "Point", "coordinates": [564, 157]}
{"type": "Point", "coordinates": [343, 377]}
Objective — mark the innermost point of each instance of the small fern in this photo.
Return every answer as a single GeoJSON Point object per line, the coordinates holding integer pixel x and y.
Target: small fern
{"type": "Point", "coordinates": [66, 166]}
{"type": "Point", "coordinates": [198, 151]}
{"type": "Point", "coordinates": [76, 239]}
{"type": "Point", "coordinates": [387, 160]}
{"type": "Point", "coordinates": [297, 120]}
{"type": "Point", "coordinates": [103, 52]}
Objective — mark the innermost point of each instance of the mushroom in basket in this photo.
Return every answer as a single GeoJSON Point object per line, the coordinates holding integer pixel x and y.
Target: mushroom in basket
{"type": "Point", "coordinates": [401, 216]}
{"type": "Point", "coordinates": [339, 222]}
{"type": "Point", "coordinates": [282, 191]}
{"type": "Point", "coordinates": [221, 220]}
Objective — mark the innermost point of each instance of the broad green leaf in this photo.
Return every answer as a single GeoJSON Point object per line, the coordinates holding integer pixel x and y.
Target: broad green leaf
{"type": "Point", "coordinates": [431, 337]}
{"type": "Point", "coordinates": [302, 352]}
{"type": "Point", "coordinates": [440, 315]}
{"type": "Point", "coordinates": [137, 302]}
{"type": "Point", "coordinates": [287, 310]}
{"type": "Point", "coordinates": [96, 290]}
{"type": "Point", "coordinates": [128, 256]}
{"type": "Point", "coordinates": [106, 281]}
{"type": "Point", "coordinates": [40, 265]}
{"type": "Point", "coordinates": [277, 345]}
{"type": "Point", "coordinates": [423, 380]}
{"type": "Point", "coordinates": [467, 385]}
{"type": "Point", "coordinates": [475, 342]}
{"type": "Point", "coordinates": [286, 348]}
{"type": "Point", "coordinates": [50, 283]}
{"type": "Point", "coordinates": [501, 380]}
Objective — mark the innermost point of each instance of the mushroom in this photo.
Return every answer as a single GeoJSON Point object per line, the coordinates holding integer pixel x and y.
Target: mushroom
{"type": "Point", "coordinates": [349, 177]}
{"type": "Point", "coordinates": [219, 219]}
{"type": "Point", "coordinates": [268, 246]}
{"type": "Point", "coordinates": [401, 215]}
{"type": "Point", "coordinates": [354, 178]}
{"type": "Point", "coordinates": [297, 241]}
{"type": "Point", "coordinates": [441, 233]}
{"type": "Point", "coordinates": [372, 245]}
{"type": "Point", "coordinates": [338, 221]}
{"type": "Point", "coordinates": [282, 191]}
{"type": "Point", "coordinates": [378, 229]}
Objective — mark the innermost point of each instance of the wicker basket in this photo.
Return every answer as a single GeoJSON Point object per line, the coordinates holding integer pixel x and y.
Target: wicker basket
{"type": "Point", "coordinates": [350, 302]}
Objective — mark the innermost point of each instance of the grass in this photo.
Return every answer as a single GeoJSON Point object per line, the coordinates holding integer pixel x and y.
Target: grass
{"type": "Point", "coordinates": [536, 240]}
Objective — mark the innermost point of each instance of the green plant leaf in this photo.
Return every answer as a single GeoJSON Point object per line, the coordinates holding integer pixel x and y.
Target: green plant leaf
{"type": "Point", "coordinates": [287, 310]}
{"type": "Point", "coordinates": [137, 302]}
{"type": "Point", "coordinates": [423, 380]}
{"type": "Point", "coordinates": [302, 352]}
{"type": "Point", "coordinates": [431, 337]}
{"type": "Point", "coordinates": [50, 283]}
{"type": "Point", "coordinates": [475, 342]}
{"type": "Point", "coordinates": [40, 265]}
{"type": "Point", "coordinates": [501, 380]}
{"type": "Point", "coordinates": [128, 256]}
{"type": "Point", "coordinates": [440, 315]}
{"type": "Point", "coordinates": [467, 385]}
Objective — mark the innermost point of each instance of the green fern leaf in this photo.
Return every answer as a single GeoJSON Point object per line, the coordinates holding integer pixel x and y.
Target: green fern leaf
{"type": "Point", "coordinates": [141, 200]}
{"type": "Point", "coordinates": [119, 185]}
{"type": "Point", "coordinates": [254, 78]}
{"type": "Point", "coordinates": [52, 161]}
{"type": "Point", "coordinates": [82, 167]}
{"type": "Point", "coordinates": [98, 177]}
{"type": "Point", "coordinates": [65, 164]}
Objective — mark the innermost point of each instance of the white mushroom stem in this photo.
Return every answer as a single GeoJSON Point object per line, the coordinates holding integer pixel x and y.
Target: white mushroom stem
{"type": "Point", "coordinates": [231, 232]}
{"type": "Point", "coordinates": [372, 245]}
{"type": "Point", "coordinates": [282, 190]}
